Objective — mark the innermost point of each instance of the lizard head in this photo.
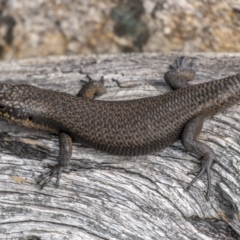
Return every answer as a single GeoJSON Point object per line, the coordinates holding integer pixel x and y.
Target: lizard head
{"type": "Point", "coordinates": [16, 103]}
{"type": "Point", "coordinates": [24, 105]}
{"type": "Point", "coordinates": [12, 102]}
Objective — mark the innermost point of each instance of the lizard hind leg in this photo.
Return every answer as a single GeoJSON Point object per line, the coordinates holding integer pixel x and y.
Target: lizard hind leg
{"type": "Point", "coordinates": [190, 142]}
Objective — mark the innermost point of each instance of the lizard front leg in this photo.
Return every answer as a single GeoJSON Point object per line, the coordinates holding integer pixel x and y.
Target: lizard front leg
{"type": "Point", "coordinates": [179, 75]}
{"type": "Point", "coordinates": [65, 154]}
{"type": "Point", "coordinates": [89, 90]}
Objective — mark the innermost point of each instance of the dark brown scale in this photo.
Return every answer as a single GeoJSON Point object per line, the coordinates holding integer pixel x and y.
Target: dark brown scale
{"type": "Point", "coordinates": [131, 127]}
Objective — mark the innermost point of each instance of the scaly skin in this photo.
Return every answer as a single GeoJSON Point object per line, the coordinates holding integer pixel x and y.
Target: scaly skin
{"type": "Point", "coordinates": [132, 127]}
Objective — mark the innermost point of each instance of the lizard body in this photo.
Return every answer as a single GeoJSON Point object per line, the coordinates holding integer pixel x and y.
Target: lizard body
{"type": "Point", "coordinates": [132, 127]}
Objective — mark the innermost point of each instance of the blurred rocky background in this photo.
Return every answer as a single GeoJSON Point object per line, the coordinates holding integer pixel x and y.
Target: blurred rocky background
{"type": "Point", "coordinates": [65, 27]}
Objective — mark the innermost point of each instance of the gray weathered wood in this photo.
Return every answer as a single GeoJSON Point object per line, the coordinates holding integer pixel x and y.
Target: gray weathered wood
{"type": "Point", "coordinates": [109, 197]}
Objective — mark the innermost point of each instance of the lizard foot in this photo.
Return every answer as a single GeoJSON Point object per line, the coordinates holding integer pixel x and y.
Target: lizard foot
{"type": "Point", "coordinates": [187, 72]}
{"type": "Point", "coordinates": [180, 74]}
{"type": "Point", "coordinates": [180, 63]}
{"type": "Point", "coordinates": [46, 176]}
{"type": "Point", "coordinates": [206, 164]}
{"type": "Point", "coordinates": [92, 89]}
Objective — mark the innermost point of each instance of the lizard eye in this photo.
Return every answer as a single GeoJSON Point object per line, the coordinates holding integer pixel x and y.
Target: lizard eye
{"type": "Point", "coordinates": [2, 107]}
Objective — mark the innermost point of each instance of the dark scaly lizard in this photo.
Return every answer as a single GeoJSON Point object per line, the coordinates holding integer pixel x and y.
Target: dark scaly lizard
{"type": "Point", "coordinates": [132, 127]}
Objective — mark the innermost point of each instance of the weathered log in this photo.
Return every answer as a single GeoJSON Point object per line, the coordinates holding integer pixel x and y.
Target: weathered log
{"type": "Point", "coordinates": [102, 196]}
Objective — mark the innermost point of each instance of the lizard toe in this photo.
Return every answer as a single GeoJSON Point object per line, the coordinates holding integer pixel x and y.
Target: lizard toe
{"type": "Point", "coordinates": [46, 176]}
{"type": "Point", "coordinates": [206, 164]}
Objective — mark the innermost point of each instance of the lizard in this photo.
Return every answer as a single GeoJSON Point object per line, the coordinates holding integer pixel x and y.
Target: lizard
{"type": "Point", "coordinates": [129, 127]}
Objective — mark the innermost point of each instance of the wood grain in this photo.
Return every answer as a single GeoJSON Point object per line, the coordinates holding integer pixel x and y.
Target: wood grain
{"type": "Point", "coordinates": [102, 196]}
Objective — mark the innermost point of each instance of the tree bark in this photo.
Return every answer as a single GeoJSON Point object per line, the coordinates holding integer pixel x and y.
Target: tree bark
{"type": "Point", "coordinates": [102, 196]}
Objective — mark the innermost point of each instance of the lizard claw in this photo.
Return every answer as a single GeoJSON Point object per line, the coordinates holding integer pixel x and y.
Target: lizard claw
{"type": "Point", "coordinates": [223, 166]}
{"type": "Point", "coordinates": [46, 176]}
{"type": "Point", "coordinates": [194, 171]}
{"type": "Point", "coordinates": [206, 164]}
{"type": "Point", "coordinates": [192, 63]}
{"type": "Point", "coordinates": [180, 62]}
